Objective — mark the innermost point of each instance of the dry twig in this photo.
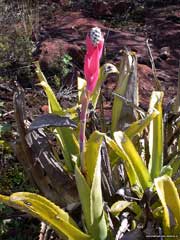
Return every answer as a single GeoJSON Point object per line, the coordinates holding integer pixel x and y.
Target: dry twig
{"type": "Point", "coordinates": [157, 82]}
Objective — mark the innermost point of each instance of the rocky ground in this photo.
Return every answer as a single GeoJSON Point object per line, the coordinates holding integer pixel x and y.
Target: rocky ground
{"type": "Point", "coordinates": [66, 32]}
{"type": "Point", "coordinates": [63, 30]}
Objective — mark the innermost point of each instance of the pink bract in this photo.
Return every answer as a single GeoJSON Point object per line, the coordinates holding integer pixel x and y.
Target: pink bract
{"type": "Point", "coordinates": [92, 62]}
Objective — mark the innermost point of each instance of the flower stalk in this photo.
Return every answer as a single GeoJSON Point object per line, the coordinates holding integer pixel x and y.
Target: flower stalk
{"type": "Point", "coordinates": [83, 119]}
{"type": "Point", "coordinates": [94, 45]}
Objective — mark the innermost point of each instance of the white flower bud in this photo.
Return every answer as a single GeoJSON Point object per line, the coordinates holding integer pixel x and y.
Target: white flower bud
{"type": "Point", "coordinates": [96, 35]}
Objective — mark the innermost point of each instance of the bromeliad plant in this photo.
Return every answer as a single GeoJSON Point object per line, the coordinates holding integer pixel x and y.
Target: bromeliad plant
{"type": "Point", "coordinates": [149, 183]}
{"type": "Point", "coordinates": [76, 161]}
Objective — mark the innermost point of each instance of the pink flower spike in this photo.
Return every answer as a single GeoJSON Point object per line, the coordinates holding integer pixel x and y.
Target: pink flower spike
{"type": "Point", "coordinates": [94, 45]}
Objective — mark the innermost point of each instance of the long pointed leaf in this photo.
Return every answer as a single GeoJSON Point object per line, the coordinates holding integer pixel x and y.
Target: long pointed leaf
{"type": "Point", "coordinates": [132, 175]}
{"type": "Point", "coordinates": [138, 126]}
{"type": "Point", "coordinates": [89, 188]}
{"type": "Point", "coordinates": [126, 87]}
{"type": "Point", "coordinates": [46, 211]}
{"type": "Point", "coordinates": [51, 97]}
{"type": "Point", "coordinates": [156, 136]}
{"type": "Point", "coordinates": [69, 146]}
{"type": "Point", "coordinates": [51, 120]}
{"type": "Point", "coordinates": [81, 85]}
{"type": "Point", "coordinates": [127, 146]}
{"type": "Point", "coordinates": [93, 145]}
{"type": "Point", "coordinates": [99, 227]}
{"type": "Point", "coordinates": [68, 142]}
{"type": "Point", "coordinates": [169, 198]}
{"type": "Point", "coordinates": [119, 206]}
{"type": "Point", "coordinates": [84, 195]}
{"type": "Point", "coordinates": [105, 70]}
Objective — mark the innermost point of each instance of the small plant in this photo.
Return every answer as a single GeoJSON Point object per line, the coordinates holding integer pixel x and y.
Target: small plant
{"type": "Point", "coordinates": [60, 68]}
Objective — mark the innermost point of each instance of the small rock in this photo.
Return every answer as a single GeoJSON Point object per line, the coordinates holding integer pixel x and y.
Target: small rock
{"type": "Point", "coordinates": [164, 53]}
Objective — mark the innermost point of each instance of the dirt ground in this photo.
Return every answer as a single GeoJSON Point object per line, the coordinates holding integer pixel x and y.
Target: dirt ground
{"type": "Point", "coordinates": [161, 25]}
{"type": "Point", "coordinates": [64, 31]}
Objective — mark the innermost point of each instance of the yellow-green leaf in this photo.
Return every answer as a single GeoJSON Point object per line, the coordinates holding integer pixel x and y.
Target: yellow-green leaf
{"type": "Point", "coordinates": [46, 211]}
{"type": "Point", "coordinates": [81, 84]}
{"type": "Point", "coordinates": [156, 136]}
{"type": "Point", "coordinates": [89, 188]}
{"type": "Point", "coordinates": [84, 195]}
{"type": "Point", "coordinates": [126, 145]}
{"type": "Point", "coordinates": [175, 164]}
{"type": "Point", "coordinates": [98, 227]}
{"type": "Point", "coordinates": [55, 106]}
{"type": "Point", "coordinates": [166, 170]}
{"type": "Point", "coordinates": [125, 72]}
{"type": "Point", "coordinates": [170, 200]}
{"type": "Point", "coordinates": [119, 206]}
{"type": "Point", "coordinates": [105, 70]}
{"type": "Point", "coordinates": [92, 153]}
{"type": "Point", "coordinates": [69, 146]}
{"type": "Point", "coordinates": [138, 126]}
{"type": "Point", "coordinates": [116, 151]}
{"type": "Point", "coordinates": [132, 175]}
{"type": "Point", "coordinates": [68, 142]}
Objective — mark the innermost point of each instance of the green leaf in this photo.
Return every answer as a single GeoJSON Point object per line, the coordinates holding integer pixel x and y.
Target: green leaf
{"type": "Point", "coordinates": [4, 128]}
{"type": "Point", "coordinates": [119, 206]}
{"type": "Point", "coordinates": [5, 146]}
{"type": "Point", "coordinates": [69, 146]}
{"type": "Point", "coordinates": [126, 145]}
{"type": "Point", "coordinates": [105, 70]}
{"type": "Point", "coordinates": [98, 227]}
{"type": "Point", "coordinates": [138, 126]}
{"type": "Point", "coordinates": [93, 145]}
{"type": "Point", "coordinates": [46, 211]}
{"type": "Point", "coordinates": [166, 170]}
{"type": "Point", "coordinates": [84, 195]}
{"type": "Point", "coordinates": [68, 142]}
{"type": "Point", "coordinates": [125, 71]}
{"type": "Point", "coordinates": [158, 212]}
{"type": "Point", "coordinates": [55, 106]}
{"type": "Point", "coordinates": [169, 198]}
{"type": "Point", "coordinates": [89, 188]}
{"type": "Point", "coordinates": [175, 165]}
{"type": "Point", "coordinates": [116, 152]}
{"type": "Point", "coordinates": [119, 151]}
{"type": "Point", "coordinates": [156, 136]}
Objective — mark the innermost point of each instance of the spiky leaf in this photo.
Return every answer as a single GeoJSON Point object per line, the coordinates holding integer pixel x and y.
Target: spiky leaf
{"type": "Point", "coordinates": [119, 206]}
{"type": "Point", "coordinates": [126, 145]}
{"type": "Point", "coordinates": [156, 136]}
{"type": "Point", "coordinates": [92, 153]}
{"type": "Point", "coordinates": [46, 211]}
{"type": "Point", "coordinates": [68, 142]}
{"type": "Point", "coordinates": [169, 198]}
{"type": "Point", "coordinates": [51, 120]}
{"type": "Point", "coordinates": [138, 126]}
